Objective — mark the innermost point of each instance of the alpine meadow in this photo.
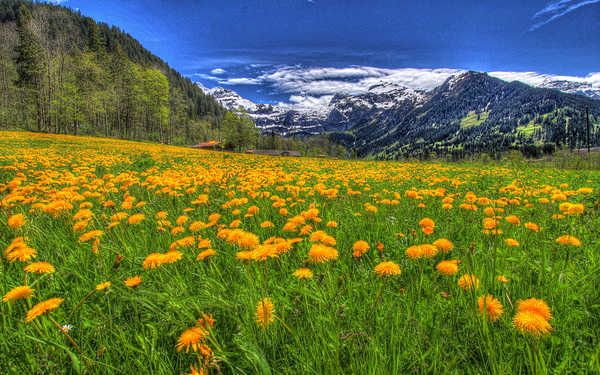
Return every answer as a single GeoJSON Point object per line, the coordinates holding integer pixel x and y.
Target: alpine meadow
{"type": "Point", "coordinates": [295, 187]}
{"type": "Point", "coordinates": [124, 257]}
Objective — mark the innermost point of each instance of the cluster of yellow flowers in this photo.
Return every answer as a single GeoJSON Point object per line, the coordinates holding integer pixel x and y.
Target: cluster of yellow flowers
{"type": "Point", "coordinates": [255, 209]}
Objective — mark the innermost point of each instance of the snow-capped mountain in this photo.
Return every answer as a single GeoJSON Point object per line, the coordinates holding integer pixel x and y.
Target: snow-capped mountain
{"type": "Point", "coordinates": [587, 86]}
{"type": "Point", "coordinates": [342, 112]}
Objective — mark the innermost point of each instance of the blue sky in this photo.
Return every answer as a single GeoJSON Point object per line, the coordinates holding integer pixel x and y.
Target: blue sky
{"type": "Point", "coordinates": [237, 43]}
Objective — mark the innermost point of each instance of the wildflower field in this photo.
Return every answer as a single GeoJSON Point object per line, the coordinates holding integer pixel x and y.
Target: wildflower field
{"type": "Point", "coordinates": [132, 258]}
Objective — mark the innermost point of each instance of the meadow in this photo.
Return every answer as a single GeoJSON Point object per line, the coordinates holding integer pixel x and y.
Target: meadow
{"type": "Point", "coordinates": [135, 258]}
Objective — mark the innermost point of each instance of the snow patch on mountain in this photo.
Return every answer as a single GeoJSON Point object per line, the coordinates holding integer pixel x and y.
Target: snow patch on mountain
{"type": "Point", "coordinates": [588, 85]}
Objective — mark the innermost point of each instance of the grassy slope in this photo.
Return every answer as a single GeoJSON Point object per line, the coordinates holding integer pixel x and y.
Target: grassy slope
{"type": "Point", "coordinates": [470, 120]}
{"type": "Point", "coordinates": [334, 328]}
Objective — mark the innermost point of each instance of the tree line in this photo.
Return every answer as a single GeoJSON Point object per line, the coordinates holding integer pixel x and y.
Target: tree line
{"type": "Point", "coordinates": [64, 73]}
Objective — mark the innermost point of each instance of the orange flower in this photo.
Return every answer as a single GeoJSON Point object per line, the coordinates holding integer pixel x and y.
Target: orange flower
{"type": "Point", "coordinates": [448, 267]}
{"type": "Point", "coordinates": [133, 281]}
{"type": "Point", "coordinates": [502, 279]}
{"type": "Point", "coordinates": [135, 219]}
{"type": "Point", "coordinates": [443, 244]}
{"type": "Point", "coordinates": [532, 226]}
{"type": "Point", "coordinates": [89, 235]}
{"type": "Point", "coordinates": [16, 221]}
{"type": "Point", "coordinates": [303, 273]}
{"type": "Point", "coordinates": [493, 308]}
{"type": "Point", "coordinates": [568, 240]}
{"type": "Point", "coordinates": [489, 223]}
{"type": "Point", "coordinates": [42, 308]}
{"type": "Point", "coordinates": [361, 247]}
{"type": "Point", "coordinates": [426, 222]}
{"type": "Point", "coordinates": [191, 338]}
{"type": "Point", "coordinates": [22, 253]}
{"type": "Point", "coordinates": [319, 253]}
{"type": "Point", "coordinates": [513, 220]}
{"type": "Point", "coordinates": [467, 282]}
{"type": "Point", "coordinates": [332, 224]}
{"type": "Point", "coordinates": [205, 254]}
{"type": "Point", "coordinates": [103, 285]}
{"type": "Point", "coordinates": [265, 312]}
{"type": "Point", "coordinates": [40, 267]}
{"type": "Point", "coordinates": [536, 306]}
{"type": "Point", "coordinates": [414, 252]}
{"type": "Point", "coordinates": [429, 251]}
{"type": "Point", "coordinates": [267, 224]}
{"type": "Point", "coordinates": [18, 293]}
{"type": "Point", "coordinates": [530, 323]}
{"type": "Point", "coordinates": [387, 269]}
{"type": "Point", "coordinates": [511, 242]}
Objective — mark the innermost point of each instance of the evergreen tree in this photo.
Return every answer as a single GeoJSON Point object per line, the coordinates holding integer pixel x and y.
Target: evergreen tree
{"type": "Point", "coordinates": [29, 65]}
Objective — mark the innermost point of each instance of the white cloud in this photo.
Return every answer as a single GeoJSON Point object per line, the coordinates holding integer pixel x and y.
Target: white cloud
{"type": "Point", "coordinates": [205, 76]}
{"type": "Point", "coordinates": [307, 103]}
{"type": "Point", "coordinates": [557, 9]}
{"type": "Point", "coordinates": [217, 71]}
{"type": "Point", "coordinates": [351, 80]}
{"type": "Point", "coordinates": [240, 81]}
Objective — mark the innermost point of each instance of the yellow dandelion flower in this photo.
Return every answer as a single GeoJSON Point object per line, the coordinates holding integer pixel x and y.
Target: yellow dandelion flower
{"type": "Point", "coordinates": [103, 285]}
{"type": "Point", "coordinates": [387, 269]}
{"type": "Point", "coordinates": [205, 254]}
{"type": "Point", "coordinates": [191, 338]}
{"type": "Point", "coordinates": [265, 311]}
{"type": "Point", "coordinates": [493, 308]}
{"type": "Point", "coordinates": [22, 254]}
{"type": "Point", "coordinates": [414, 252]}
{"type": "Point", "coordinates": [89, 235]}
{"type": "Point", "coordinates": [536, 306]}
{"type": "Point", "coordinates": [448, 267]}
{"type": "Point", "coordinates": [133, 281]}
{"type": "Point", "coordinates": [18, 293]}
{"type": "Point", "coordinates": [426, 222]}
{"type": "Point", "coordinates": [136, 219]}
{"type": "Point", "coordinates": [153, 260]}
{"type": "Point", "coordinates": [568, 240]}
{"type": "Point", "coordinates": [443, 244]}
{"type": "Point", "coordinates": [42, 308]}
{"type": "Point", "coordinates": [532, 226]}
{"type": "Point", "coordinates": [267, 224]}
{"type": "Point", "coordinates": [467, 282]}
{"type": "Point", "coordinates": [303, 273]}
{"type": "Point", "coordinates": [530, 323]}
{"type": "Point", "coordinates": [502, 279]}
{"type": "Point", "coordinates": [361, 246]}
{"type": "Point", "coordinates": [40, 267]}
{"type": "Point", "coordinates": [319, 253]}
{"type": "Point", "coordinates": [429, 251]}
{"type": "Point", "coordinates": [16, 221]}
{"type": "Point", "coordinates": [513, 220]}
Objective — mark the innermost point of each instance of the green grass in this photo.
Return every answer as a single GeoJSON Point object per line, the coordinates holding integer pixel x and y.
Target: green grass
{"type": "Point", "coordinates": [473, 119]}
{"type": "Point", "coordinates": [529, 129]}
{"type": "Point", "coordinates": [331, 324]}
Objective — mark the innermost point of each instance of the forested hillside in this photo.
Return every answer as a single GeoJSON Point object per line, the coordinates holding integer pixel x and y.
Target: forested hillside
{"type": "Point", "coordinates": [61, 72]}
{"type": "Point", "coordinates": [474, 113]}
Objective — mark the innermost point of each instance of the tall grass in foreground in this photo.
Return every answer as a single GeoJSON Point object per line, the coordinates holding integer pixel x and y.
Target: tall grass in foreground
{"type": "Point", "coordinates": [169, 260]}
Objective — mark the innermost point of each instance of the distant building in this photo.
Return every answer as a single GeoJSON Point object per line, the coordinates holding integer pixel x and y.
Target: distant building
{"type": "Point", "coordinates": [212, 145]}
{"type": "Point", "coordinates": [274, 152]}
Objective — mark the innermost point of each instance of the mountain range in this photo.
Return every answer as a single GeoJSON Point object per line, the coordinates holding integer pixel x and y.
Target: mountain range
{"type": "Point", "coordinates": [469, 112]}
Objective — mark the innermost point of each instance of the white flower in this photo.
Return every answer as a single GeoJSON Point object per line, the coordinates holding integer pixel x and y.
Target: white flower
{"type": "Point", "coordinates": [66, 328]}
